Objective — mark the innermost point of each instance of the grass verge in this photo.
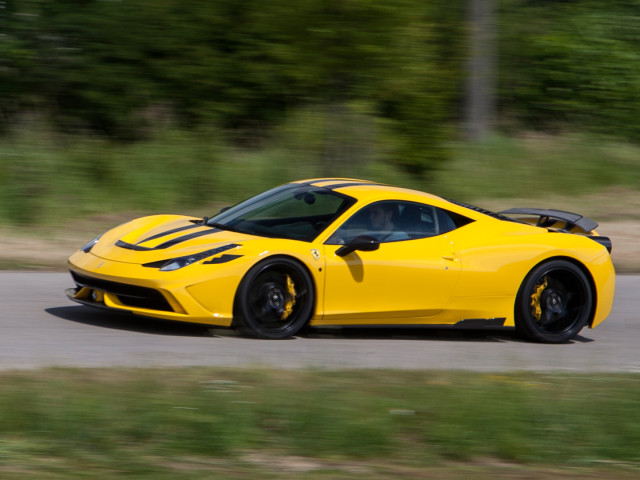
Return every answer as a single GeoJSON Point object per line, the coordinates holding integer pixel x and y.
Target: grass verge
{"type": "Point", "coordinates": [48, 179]}
{"type": "Point", "coordinates": [238, 423]}
{"type": "Point", "coordinates": [58, 192]}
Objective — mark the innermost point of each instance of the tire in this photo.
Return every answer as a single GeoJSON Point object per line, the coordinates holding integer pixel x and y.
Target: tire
{"type": "Point", "coordinates": [274, 300]}
{"type": "Point", "coordinates": [554, 302]}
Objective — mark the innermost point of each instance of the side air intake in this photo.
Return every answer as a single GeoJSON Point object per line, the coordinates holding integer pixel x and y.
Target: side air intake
{"type": "Point", "coordinates": [604, 241]}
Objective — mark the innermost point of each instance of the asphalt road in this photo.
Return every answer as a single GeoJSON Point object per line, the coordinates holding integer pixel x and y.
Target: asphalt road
{"type": "Point", "coordinates": [40, 327]}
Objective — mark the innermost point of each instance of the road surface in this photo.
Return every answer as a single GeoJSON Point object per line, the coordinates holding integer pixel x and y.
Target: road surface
{"type": "Point", "coordinates": [40, 327]}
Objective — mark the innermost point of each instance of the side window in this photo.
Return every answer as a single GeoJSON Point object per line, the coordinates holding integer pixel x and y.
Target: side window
{"type": "Point", "coordinates": [421, 221]}
{"type": "Point", "coordinates": [393, 221]}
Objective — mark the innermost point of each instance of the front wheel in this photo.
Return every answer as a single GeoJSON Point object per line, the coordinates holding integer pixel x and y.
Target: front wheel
{"type": "Point", "coordinates": [275, 299]}
{"type": "Point", "coordinates": [554, 302]}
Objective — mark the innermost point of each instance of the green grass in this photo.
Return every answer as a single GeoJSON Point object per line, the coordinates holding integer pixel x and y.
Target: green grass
{"type": "Point", "coordinates": [48, 179]}
{"type": "Point", "coordinates": [154, 423]}
{"type": "Point", "coordinates": [537, 166]}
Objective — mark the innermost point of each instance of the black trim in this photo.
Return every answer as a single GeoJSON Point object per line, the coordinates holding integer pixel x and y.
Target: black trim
{"type": "Point", "coordinates": [547, 217]}
{"type": "Point", "coordinates": [352, 184]}
{"type": "Point", "coordinates": [168, 244]}
{"type": "Point", "coordinates": [221, 259]}
{"type": "Point", "coordinates": [604, 241]}
{"type": "Point", "coordinates": [169, 232]}
{"type": "Point", "coordinates": [130, 295]}
{"type": "Point", "coordinates": [186, 238]}
{"type": "Point", "coordinates": [131, 246]}
{"type": "Point", "coordinates": [499, 216]}
{"type": "Point", "coordinates": [476, 323]}
{"type": "Point", "coordinates": [340, 183]}
{"type": "Point", "coordinates": [200, 255]}
{"type": "Point", "coordinates": [71, 292]}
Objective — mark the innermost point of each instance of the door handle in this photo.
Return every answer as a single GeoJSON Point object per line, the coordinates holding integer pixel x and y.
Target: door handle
{"type": "Point", "coordinates": [450, 256]}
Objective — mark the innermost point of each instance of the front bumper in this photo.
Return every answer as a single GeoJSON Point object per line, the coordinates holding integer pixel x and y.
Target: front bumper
{"type": "Point", "coordinates": [96, 291]}
{"type": "Point", "coordinates": [179, 296]}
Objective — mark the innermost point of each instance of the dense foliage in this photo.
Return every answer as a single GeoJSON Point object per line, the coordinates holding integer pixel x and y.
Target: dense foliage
{"type": "Point", "coordinates": [337, 82]}
{"type": "Point", "coordinates": [571, 65]}
{"type": "Point", "coordinates": [120, 68]}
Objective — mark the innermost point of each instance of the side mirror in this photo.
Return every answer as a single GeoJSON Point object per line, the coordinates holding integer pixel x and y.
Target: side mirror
{"type": "Point", "coordinates": [364, 243]}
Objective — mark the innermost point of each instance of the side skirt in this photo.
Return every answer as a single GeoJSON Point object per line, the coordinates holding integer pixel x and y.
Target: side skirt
{"type": "Point", "coordinates": [476, 323]}
{"type": "Point", "coordinates": [470, 323]}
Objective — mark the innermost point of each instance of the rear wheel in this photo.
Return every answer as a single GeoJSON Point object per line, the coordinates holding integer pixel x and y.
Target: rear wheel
{"type": "Point", "coordinates": [554, 302]}
{"type": "Point", "coordinates": [274, 300]}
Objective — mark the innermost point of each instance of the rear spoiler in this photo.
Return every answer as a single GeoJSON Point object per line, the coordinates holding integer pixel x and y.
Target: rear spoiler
{"type": "Point", "coordinates": [549, 217]}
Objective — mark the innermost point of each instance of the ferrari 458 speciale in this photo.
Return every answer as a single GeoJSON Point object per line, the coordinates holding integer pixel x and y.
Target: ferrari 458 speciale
{"type": "Point", "coordinates": [343, 252]}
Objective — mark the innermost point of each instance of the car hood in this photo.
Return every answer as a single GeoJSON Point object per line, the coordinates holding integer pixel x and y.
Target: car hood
{"type": "Point", "coordinates": [162, 237]}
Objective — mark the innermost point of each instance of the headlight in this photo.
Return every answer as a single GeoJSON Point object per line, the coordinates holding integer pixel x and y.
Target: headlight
{"type": "Point", "coordinates": [180, 262]}
{"type": "Point", "coordinates": [87, 248]}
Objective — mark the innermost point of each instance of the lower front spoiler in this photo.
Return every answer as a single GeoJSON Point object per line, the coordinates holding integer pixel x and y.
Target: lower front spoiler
{"type": "Point", "coordinates": [95, 298]}
{"type": "Point", "coordinates": [93, 302]}
{"type": "Point", "coordinates": [91, 298]}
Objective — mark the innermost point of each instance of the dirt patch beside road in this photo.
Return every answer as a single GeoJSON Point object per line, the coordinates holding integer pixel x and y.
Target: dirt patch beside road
{"type": "Point", "coordinates": [47, 248]}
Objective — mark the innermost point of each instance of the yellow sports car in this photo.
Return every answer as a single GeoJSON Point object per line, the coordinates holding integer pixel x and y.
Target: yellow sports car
{"type": "Point", "coordinates": [329, 252]}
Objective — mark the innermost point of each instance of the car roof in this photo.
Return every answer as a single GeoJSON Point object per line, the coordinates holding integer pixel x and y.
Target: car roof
{"type": "Point", "coordinates": [366, 190]}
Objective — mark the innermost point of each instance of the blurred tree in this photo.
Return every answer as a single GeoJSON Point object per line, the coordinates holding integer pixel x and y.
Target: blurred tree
{"type": "Point", "coordinates": [243, 66]}
{"type": "Point", "coordinates": [479, 100]}
{"type": "Point", "coordinates": [17, 60]}
{"type": "Point", "coordinates": [385, 55]}
{"type": "Point", "coordinates": [575, 66]}
{"type": "Point", "coordinates": [120, 67]}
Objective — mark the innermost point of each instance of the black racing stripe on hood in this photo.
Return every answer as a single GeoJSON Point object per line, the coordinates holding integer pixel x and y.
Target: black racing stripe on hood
{"type": "Point", "coordinates": [186, 238]}
{"type": "Point", "coordinates": [168, 232]}
{"type": "Point", "coordinates": [170, 243]}
{"type": "Point", "coordinates": [131, 246]}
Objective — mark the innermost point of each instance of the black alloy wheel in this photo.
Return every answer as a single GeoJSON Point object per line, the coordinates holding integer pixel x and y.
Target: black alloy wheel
{"type": "Point", "coordinates": [554, 303]}
{"type": "Point", "coordinates": [275, 299]}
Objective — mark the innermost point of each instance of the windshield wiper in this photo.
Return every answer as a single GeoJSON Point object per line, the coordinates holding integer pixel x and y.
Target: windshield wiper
{"type": "Point", "coordinates": [200, 221]}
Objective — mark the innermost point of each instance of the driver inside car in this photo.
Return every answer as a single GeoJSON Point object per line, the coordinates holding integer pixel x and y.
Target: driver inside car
{"type": "Point", "coordinates": [382, 217]}
{"type": "Point", "coordinates": [377, 221]}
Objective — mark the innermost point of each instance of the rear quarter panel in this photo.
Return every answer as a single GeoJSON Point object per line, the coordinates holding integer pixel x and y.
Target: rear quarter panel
{"type": "Point", "coordinates": [496, 256]}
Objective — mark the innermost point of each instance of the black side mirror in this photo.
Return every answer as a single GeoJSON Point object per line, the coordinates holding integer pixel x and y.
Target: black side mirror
{"type": "Point", "coordinates": [364, 243]}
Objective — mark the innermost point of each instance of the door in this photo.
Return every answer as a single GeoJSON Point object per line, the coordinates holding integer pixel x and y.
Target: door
{"type": "Point", "coordinates": [406, 280]}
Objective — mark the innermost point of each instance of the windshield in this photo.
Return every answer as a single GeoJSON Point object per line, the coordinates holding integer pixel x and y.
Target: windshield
{"type": "Point", "coordinates": [293, 211]}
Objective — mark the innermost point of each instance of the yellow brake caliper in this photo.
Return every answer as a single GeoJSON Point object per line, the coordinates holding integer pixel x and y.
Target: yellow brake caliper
{"type": "Point", "coordinates": [288, 307]}
{"type": "Point", "coordinates": [535, 299]}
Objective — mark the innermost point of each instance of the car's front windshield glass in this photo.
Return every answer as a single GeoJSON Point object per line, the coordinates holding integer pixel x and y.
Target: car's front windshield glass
{"type": "Point", "coordinates": [293, 211]}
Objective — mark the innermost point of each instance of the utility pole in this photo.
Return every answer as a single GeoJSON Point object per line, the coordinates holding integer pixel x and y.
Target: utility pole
{"type": "Point", "coordinates": [479, 107]}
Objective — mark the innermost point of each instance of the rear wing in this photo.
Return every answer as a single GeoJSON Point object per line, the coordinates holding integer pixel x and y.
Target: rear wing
{"type": "Point", "coordinates": [573, 222]}
{"type": "Point", "coordinates": [549, 218]}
